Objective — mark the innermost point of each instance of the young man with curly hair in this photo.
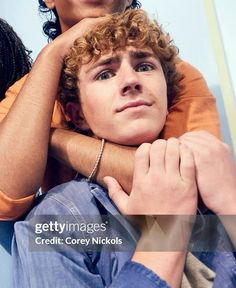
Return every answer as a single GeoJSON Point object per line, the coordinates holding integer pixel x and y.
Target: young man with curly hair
{"type": "Point", "coordinates": [116, 85]}
{"type": "Point", "coordinates": [27, 121]}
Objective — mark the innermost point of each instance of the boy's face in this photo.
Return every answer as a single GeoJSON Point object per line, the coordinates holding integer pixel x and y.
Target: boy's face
{"type": "Point", "coordinates": [123, 96]}
{"type": "Point", "coordinates": [71, 12]}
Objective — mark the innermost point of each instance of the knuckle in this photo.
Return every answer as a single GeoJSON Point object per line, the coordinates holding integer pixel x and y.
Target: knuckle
{"type": "Point", "coordinates": [158, 148]}
{"type": "Point", "coordinates": [159, 143]}
{"type": "Point", "coordinates": [185, 149]}
{"type": "Point", "coordinates": [174, 184]}
{"type": "Point", "coordinates": [142, 150]}
{"type": "Point", "coordinates": [173, 140]}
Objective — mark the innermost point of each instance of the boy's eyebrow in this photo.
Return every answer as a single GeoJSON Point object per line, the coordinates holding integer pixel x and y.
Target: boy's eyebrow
{"type": "Point", "coordinates": [107, 61]}
{"type": "Point", "coordinates": [141, 54]}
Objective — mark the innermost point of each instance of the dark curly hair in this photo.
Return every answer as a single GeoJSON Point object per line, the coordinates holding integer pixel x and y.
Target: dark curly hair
{"type": "Point", "coordinates": [51, 27]}
{"type": "Point", "coordinates": [15, 60]}
{"type": "Point", "coordinates": [132, 28]}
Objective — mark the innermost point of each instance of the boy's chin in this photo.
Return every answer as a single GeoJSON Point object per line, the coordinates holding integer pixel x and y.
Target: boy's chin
{"type": "Point", "coordinates": [135, 140]}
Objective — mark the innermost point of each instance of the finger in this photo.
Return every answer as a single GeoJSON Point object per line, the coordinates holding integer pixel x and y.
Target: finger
{"type": "Point", "coordinates": [172, 157]}
{"type": "Point", "coordinates": [187, 164]}
{"type": "Point", "coordinates": [157, 156]}
{"type": "Point", "coordinates": [142, 161]}
{"type": "Point", "coordinates": [202, 138]}
{"type": "Point", "coordinates": [197, 147]}
{"type": "Point", "coordinates": [116, 193]}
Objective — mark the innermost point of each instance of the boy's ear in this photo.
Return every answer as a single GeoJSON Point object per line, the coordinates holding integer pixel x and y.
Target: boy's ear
{"type": "Point", "coordinates": [75, 113]}
{"type": "Point", "coordinates": [50, 4]}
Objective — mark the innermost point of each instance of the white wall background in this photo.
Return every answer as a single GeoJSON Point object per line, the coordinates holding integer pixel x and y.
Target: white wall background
{"type": "Point", "coordinates": [225, 11]}
{"type": "Point", "coordinates": [186, 20]}
{"type": "Point", "coordinates": [24, 17]}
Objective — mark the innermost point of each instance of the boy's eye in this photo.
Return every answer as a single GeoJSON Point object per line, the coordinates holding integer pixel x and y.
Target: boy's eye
{"type": "Point", "coordinates": [144, 67]}
{"type": "Point", "coordinates": [105, 75]}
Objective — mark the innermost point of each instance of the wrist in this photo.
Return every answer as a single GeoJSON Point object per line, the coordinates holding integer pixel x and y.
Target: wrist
{"type": "Point", "coordinates": [58, 142]}
{"type": "Point", "coordinates": [167, 265]}
{"type": "Point", "coordinates": [55, 52]}
{"type": "Point", "coordinates": [172, 231]}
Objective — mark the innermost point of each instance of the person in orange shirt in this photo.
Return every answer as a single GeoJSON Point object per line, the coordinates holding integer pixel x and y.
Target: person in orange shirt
{"type": "Point", "coordinates": [25, 120]}
{"type": "Point", "coordinates": [15, 60]}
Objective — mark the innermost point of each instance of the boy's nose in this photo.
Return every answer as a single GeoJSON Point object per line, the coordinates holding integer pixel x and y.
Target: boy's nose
{"type": "Point", "coordinates": [130, 88]}
{"type": "Point", "coordinates": [130, 83]}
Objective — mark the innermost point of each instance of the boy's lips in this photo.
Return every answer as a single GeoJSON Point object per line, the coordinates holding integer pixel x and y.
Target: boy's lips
{"type": "Point", "coordinates": [132, 104]}
{"type": "Point", "coordinates": [93, 1]}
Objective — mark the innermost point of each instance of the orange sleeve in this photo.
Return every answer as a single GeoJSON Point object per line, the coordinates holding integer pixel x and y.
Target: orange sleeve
{"type": "Point", "coordinates": [11, 209]}
{"type": "Point", "coordinates": [10, 97]}
{"type": "Point", "coordinates": [194, 108]}
{"type": "Point", "coordinates": [58, 118]}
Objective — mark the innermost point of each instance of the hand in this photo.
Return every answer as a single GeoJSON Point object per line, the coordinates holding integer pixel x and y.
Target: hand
{"type": "Point", "coordinates": [163, 183]}
{"type": "Point", "coordinates": [63, 42]}
{"type": "Point", "coordinates": [216, 171]}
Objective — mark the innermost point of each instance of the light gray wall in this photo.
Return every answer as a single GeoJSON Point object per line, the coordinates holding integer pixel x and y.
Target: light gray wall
{"type": "Point", "coordinates": [225, 11]}
{"type": "Point", "coordinates": [24, 17]}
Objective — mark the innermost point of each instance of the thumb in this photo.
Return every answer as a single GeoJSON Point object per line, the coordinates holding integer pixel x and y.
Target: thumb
{"type": "Point", "coordinates": [116, 193]}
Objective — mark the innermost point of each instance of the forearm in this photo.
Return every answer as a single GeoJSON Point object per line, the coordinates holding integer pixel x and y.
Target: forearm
{"type": "Point", "coordinates": [163, 244]}
{"type": "Point", "coordinates": [167, 265]}
{"type": "Point", "coordinates": [24, 132]}
{"type": "Point", "coordinates": [80, 152]}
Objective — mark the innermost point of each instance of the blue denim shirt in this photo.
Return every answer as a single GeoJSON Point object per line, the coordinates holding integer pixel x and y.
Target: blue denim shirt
{"type": "Point", "coordinates": [71, 268]}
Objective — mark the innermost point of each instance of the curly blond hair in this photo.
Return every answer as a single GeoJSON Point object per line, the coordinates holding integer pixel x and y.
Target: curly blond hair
{"type": "Point", "coordinates": [132, 28]}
